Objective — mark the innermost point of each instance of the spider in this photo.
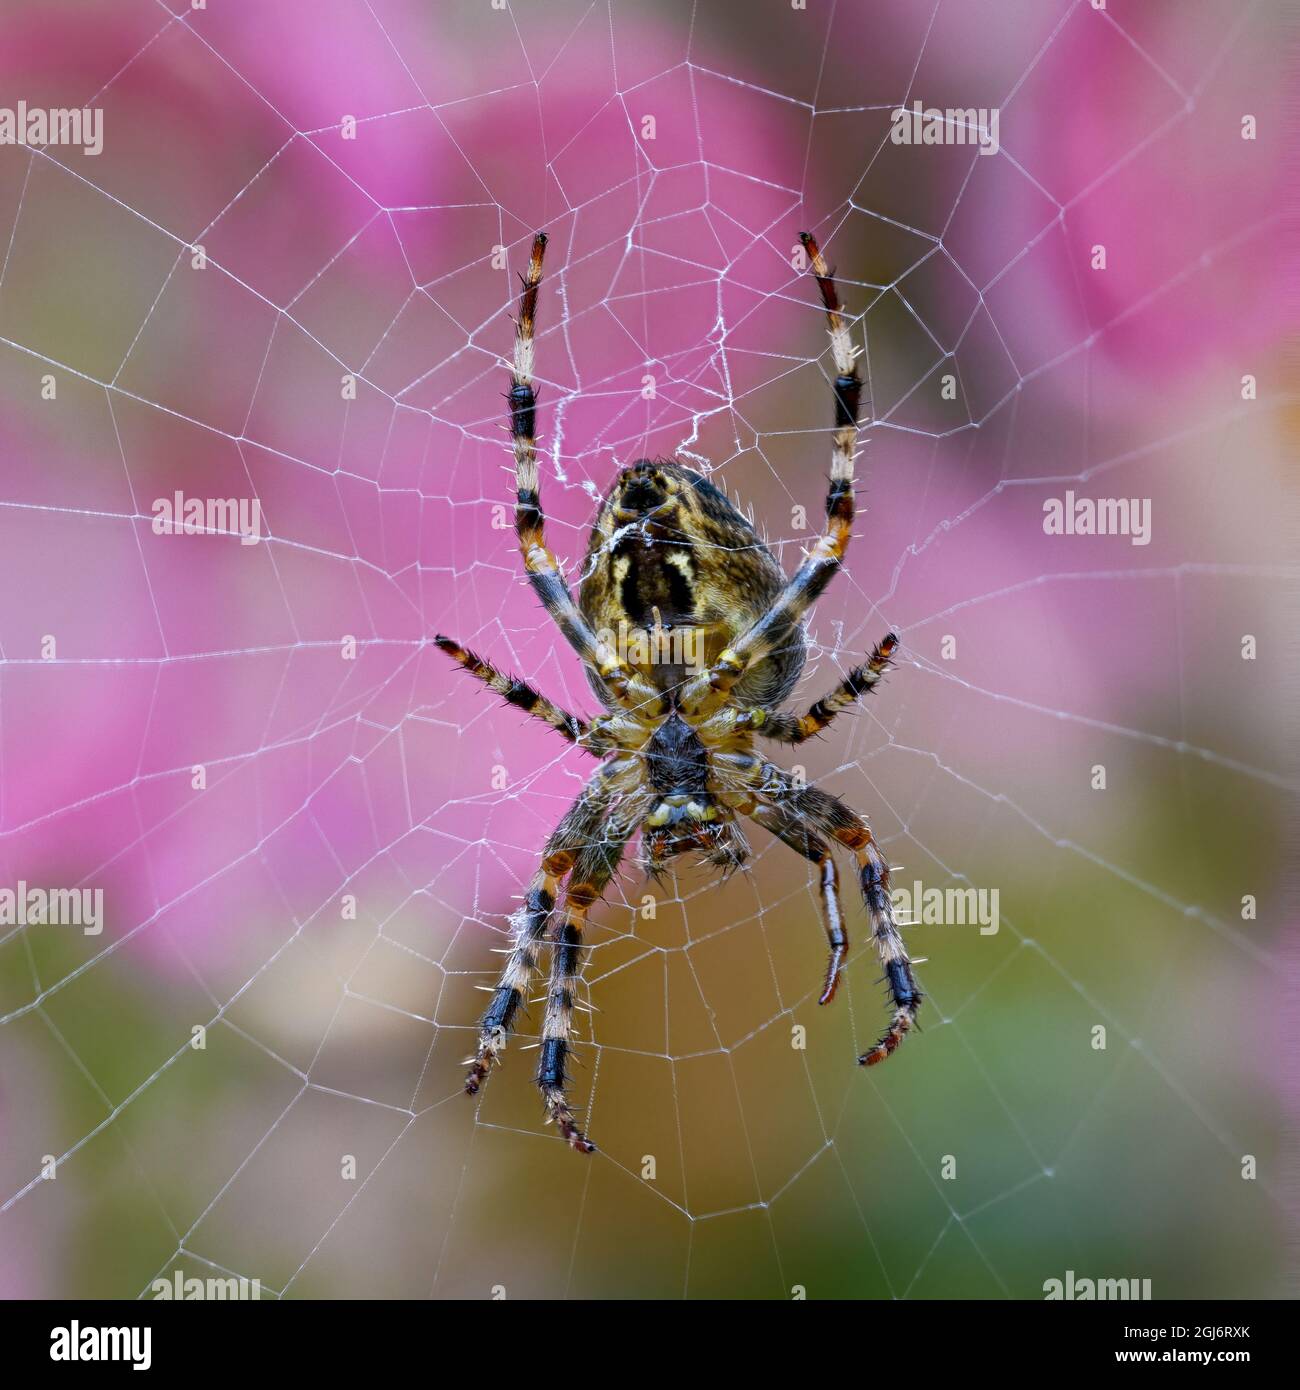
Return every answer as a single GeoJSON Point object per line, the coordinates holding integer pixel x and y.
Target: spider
{"type": "Point", "coordinates": [669, 554]}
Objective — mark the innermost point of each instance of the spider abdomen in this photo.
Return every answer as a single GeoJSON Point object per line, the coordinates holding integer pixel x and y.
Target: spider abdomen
{"type": "Point", "coordinates": [674, 573]}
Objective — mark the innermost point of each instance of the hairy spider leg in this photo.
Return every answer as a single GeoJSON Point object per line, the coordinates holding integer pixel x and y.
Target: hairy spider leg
{"type": "Point", "coordinates": [575, 831]}
{"type": "Point", "coordinates": [806, 842]}
{"type": "Point", "coordinates": [595, 865]}
{"type": "Point", "coordinates": [708, 690]}
{"type": "Point", "coordinates": [541, 566]}
{"type": "Point", "coordinates": [523, 696]}
{"type": "Point", "coordinates": [829, 815]}
{"type": "Point", "coordinates": [861, 680]}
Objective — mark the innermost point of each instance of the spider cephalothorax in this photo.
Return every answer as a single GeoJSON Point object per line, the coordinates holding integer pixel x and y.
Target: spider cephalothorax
{"type": "Point", "coordinates": [690, 635]}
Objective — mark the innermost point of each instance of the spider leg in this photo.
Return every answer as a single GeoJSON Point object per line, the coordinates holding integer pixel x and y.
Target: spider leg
{"type": "Point", "coordinates": [541, 566]}
{"type": "Point", "coordinates": [522, 695]}
{"type": "Point", "coordinates": [771, 631]}
{"type": "Point", "coordinates": [802, 840]}
{"type": "Point", "coordinates": [790, 728]}
{"type": "Point", "coordinates": [593, 868]}
{"type": "Point", "coordinates": [873, 874]}
{"type": "Point", "coordinates": [579, 825]}
{"type": "Point", "coordinates": [833, 818]}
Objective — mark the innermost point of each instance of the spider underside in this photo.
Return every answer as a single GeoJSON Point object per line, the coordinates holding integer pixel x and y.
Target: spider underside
{"type": "Point", "coordinates": [669, 556]}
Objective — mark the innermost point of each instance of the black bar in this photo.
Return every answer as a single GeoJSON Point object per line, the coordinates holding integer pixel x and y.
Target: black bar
{"type": "Point", "coordinates": [1048, 1341]}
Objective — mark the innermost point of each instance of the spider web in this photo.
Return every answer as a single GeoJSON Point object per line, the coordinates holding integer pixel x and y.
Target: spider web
{"type": "Point", "coordinates": [322, 906]}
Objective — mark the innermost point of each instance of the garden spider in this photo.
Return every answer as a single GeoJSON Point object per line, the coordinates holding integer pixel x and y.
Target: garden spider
{"type": "Point", "coordinates": [669, 553]}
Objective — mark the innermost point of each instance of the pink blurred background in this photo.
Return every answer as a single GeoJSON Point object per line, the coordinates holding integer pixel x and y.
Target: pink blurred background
{"type": "Point", "coordinates": [374, 782]}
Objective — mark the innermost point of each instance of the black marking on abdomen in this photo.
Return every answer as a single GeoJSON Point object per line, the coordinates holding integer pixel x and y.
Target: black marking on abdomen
{"type": "Point", "coordinates": [653, 582]}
